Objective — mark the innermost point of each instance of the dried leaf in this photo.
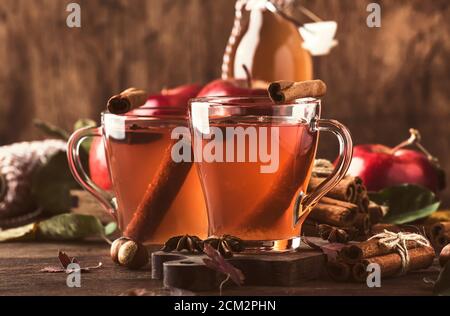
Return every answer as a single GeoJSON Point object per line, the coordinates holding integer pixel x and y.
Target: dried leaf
{"type": "Point", "coordinates": [329, 249]}
{"type": "Point", "coordinates": [65, 261]}
{"type": "Point", "coordinates": [218, 263]}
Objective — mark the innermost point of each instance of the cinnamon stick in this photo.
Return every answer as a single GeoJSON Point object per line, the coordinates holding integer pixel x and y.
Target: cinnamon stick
{"type": "Point", "coordinates": [272, 206]}
{"type": "Point", "coordinates": [334, 212]}
{"type": "Point", "coordinates": [126, 101]}
{"type": "Point", "coordinates": [440, 234]}
{"type": "Point", "coordinates": [339, 271]}
{"type": "Point", "coordinates": [158, 197]}
{"type": "Point", "coordinates": [368, 249]}
{"type": "Point", "coordinates": [376, 213]}
{"type": "Point", "coordinates": [362, 223]}
{"type": "Point", "coordinates": [391, 264]}
{"type": "Point", "coordinates": [345, 190]}
{"type": "Point", "coordinates": [286, 91]}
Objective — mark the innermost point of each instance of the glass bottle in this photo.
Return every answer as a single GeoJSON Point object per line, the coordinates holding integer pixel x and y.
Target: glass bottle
{"type": "Point", "coordinates": [267, 43]}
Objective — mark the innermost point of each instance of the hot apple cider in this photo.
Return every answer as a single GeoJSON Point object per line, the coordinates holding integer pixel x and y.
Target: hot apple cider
{"type": "Point", "coordinates": [138, 163]}
{"type": "Point", "coordinates": [252, 170]}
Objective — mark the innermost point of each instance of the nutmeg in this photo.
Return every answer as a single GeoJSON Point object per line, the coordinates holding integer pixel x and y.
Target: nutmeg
{"type": "Point", "coordinates": [115, 246]}
{"type": "Point", "coordinates": [132, 255]}
{"type": "Point", "coordinates": [444, 256]}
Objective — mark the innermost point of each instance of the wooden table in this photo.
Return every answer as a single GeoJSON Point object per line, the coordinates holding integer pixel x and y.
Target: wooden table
{"type": "Point", "coordinates": [20, 264]}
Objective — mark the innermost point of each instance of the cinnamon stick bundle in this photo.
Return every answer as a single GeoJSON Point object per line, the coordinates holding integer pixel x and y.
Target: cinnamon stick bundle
{"type": "Point", "coordinates": [376, 213]}
{"type": "Point", "coordinates": [158, 197]}
{"type": "Point", "coordinates": [440, 234]}
{"type": "Point", "coordinates": [362, 223]}
{"type": "Point", "coordinates": [126, 101]}
{"type": "Point", "coordinates": [367, 249]}
{"type": "Point", "coordinates": [391, 264]}
{"type": "Point", "coordinates": [345, 190]}
{"type": "Point", "coordinates": [339, 271]}
{"type": "Point", "coordinates": [286, 91]}
{"type": "Point", "coordinates": [334, 212]}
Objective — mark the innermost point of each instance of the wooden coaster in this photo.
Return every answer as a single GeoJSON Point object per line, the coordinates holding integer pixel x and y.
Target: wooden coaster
{"type": "Point", "coordinates": [187, 271]}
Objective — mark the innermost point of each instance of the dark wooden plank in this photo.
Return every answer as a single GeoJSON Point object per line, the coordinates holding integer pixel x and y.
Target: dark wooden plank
{"type": "Point", "coordinates": [20, 264]}
{"type": "Point", "coordinates": [188, 271]}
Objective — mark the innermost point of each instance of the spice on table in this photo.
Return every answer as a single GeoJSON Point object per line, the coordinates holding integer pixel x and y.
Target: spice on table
{"type": "Point", "coordinates": [132, 255]}
{"type": "Point", "coordinates": [444, 256]}
{"type": "Point", "coordinates": [336, 234]}
{"type": "Point", "coordinates": [115, 246]}
{"type": "Point", "coordinates": [226, 244]}
{"type": "Point", "coordinates": [440, 234]}
{"type": "Point", "coordinates": [192, 244]}
{"type": "Point", "coordinates": [334, 212]}
{"type": "Point", "coordinates": [395, 253]}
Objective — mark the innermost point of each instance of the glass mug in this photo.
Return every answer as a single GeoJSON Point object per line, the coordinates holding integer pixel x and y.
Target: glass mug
{"type": "Point", "coordinates": [255, 160]}
{"type": "Point", "coordinates": [147, 207]}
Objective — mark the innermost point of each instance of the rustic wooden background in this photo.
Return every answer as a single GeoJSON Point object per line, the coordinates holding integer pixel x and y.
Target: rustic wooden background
{"type": "Point", "coordinates": [382, 81]}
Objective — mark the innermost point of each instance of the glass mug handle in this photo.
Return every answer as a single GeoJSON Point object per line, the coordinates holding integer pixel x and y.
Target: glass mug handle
{"type": "Point", "coordinates": [73, 155]}
{"type": "Point", "coordinates": [305, 203]}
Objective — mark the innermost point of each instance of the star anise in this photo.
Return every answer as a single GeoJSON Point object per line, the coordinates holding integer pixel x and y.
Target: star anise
{"type": "Point", "coordinates": [192, 244]}
{"type": "Point", "coordinates": [226, 244]}
{"type": "Point", "coordinates": [335, 234]}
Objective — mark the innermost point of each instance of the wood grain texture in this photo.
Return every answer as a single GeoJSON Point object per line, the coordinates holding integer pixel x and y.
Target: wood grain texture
{"type": "Point", "coordinates": [381, 81]}
{"type": "Point", "coordinates": [20, 264]}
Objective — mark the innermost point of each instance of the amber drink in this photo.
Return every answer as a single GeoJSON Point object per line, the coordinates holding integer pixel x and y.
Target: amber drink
{"type": "Point", "coordinates": [255, 160]}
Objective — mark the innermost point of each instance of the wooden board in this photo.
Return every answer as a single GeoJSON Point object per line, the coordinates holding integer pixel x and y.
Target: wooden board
{"type": "Point", "coordinates": [20, 264]}
{"type": "Point", "coordinates": [186, 271]}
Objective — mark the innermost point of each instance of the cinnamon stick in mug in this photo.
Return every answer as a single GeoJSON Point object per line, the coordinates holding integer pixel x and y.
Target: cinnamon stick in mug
{"type": "Point", "coordinates": [126, 101]}
{"type": "Point", "coordinates": [286, 91]}
{"type": "Point", "coordinates": [158, 197]}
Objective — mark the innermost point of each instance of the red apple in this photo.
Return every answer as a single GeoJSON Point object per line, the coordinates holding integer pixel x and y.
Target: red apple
{"type": "Point", "coordinates": [167, 102]}
{"type": "Point", "coordinates": [98, 166]}
{"type": "Point", "coordinates": [380, 166]}
{"type": "Point", "coordinates": [180, 96]}
{"type": "Point", "coordinates": [231, 87]}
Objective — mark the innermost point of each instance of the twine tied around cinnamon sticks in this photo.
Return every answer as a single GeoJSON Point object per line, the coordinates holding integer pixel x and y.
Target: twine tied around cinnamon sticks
{"type": "Point", "coordinates": [398, 242]}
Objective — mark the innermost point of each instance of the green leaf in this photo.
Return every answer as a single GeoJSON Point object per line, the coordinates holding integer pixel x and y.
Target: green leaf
{"type": "Point", "coordinates": [52, 184]}
{"type": "Point", "coordinates": [442, 285]}
{"type": "Point", "coordinates": [406, 203]}
{"type": "Point", "coordinates": [23, 233]}
{"type": "Point", "coordinates": [82, 123]}
{"type": "Point", "coordinates": [110, 228]}
{"type": "Point", "coordinates": [68, 227]}
{"type": "Point", "coordinates": [51, 130]}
